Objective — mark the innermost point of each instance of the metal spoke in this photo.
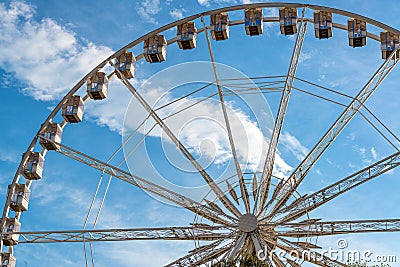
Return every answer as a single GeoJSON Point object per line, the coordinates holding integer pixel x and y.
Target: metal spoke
{"type": "Point", "coordinates": [315, 200]}
{"type": "Point", "coordinates": [214, 187]}
{"type": "Point", "coordinates": [237, 246]}
{"type": "Point", "coordinates": [298, 230]}
{"type": "Point", "coordinates": [210, 233]}
{"type": "Point", "coordinates": [285, 189]}
{"type": "Point", "coordinates": [243, 189]}
{"type": "Point", "coordinates": [277, 261]}
{"type": "Point", "coordinates": [198, 258]}
{"type": "Point", "coordinates": [193, 254]}
{"type": "Point", "coordinates": [308, 255]}
{"type": "Point", "coordinates": [203, 210]}
{"type": "Point", "coordinates": [273, 144]}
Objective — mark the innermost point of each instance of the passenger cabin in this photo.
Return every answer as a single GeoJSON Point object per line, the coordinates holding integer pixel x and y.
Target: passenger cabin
{"type": "Point", "coordinates": [53, 132]}
{"type": "Point", "coordinates": [97, 86]}
{"type": "Point", "coordinates": [12, 226]}
{"type": "Point", "coordinates": [323, 24]}
{"type": "Point", "coordinates": [72, 110]}
{"type": "Point", "coordinates": [357, 32]}
{"type": "Point", "coordinates": [288, 20]}
{"type": "Point", "coordinates": [33, 168]}
{"type": "Point", "coordinates": [155, 49]}
{"type": "Point", "coordinates": [126, 65]}
{"type": "Point", "coordinates": [253, 21]}
{"type": "Point", "coordinates": [389, 43]}
{"type": "Point", "coordinates": [187, 35]}
{"type": "Point", "coordinates": [19, 197]}
{"type": "Point", "coordinates": [219, 26]}
{"type": "Point", "coordinates": [7, 260]}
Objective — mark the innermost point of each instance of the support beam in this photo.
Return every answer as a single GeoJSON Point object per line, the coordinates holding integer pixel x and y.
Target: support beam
{"type": "Point", "coordinates": [214, 187]}
{"type": "Point", "coordinates": [308, 255]}
{"type": "Point", "coordinates": [238, 245]}
{"type": "Point", "coordinates": [168, 233]}
{"type": "Point", "coordinates": [203, 210]}
{"type": "Point", "coordinates": [286, 188]}
{"type": "Point", "coordinates": [201, 257]}
{"type": "Point", "coordinates": [299, 230]}
{"type": "Point", "coordinates": [273, 144]}
{"type": "Point", "coordinates": [243, 189]}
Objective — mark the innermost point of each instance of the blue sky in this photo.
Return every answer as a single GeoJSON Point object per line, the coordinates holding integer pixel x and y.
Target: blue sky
{"type": "Point", "coordinates": [47, 46]}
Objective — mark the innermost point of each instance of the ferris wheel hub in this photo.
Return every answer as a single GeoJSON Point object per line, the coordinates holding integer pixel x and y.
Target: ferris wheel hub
{"type": "Point", "coordinates": [248, 223]}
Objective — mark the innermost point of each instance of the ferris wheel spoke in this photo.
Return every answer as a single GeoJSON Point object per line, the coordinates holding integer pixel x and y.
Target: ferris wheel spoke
{"type": "Point", "coordinates": [214, 187]}
{"type": "Point", "coordinates": [299, 230]}
{"type": "Point", "coordinates": [243, 189]}
{"type": "Point", "coordinates": [167, 233]}
{"type": "Point", "coordinates": [319, 198]}
{"type": "Point", "coordinates": [198, 258]}
{"type": "Point", "coordinates": [286, 188]}
{"type": "Point", "coordinates": [206, 211]}
{"type": "Point", "coordinates": [308, 255]}
{"type": "Point", "coordinates": [273, 144]}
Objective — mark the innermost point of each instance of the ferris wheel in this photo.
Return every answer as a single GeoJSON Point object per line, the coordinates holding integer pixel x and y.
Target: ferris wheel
{"type": "Point", "coordinates": [249, 210]}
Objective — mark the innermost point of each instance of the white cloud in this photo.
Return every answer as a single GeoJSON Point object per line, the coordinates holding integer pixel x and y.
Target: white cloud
{"type": "Point", "coordinates": [148, 9]}
{"type": "Point", "coordinates": [208, 3]}
{"type": "Point", "coordinates": [374, 153]}
{"type": "Point", "coordinates": [176, 13]}
{"type": "Point", "coordinates": [38, 52]}
{"type": "Point", "coordinates": [294, 145]}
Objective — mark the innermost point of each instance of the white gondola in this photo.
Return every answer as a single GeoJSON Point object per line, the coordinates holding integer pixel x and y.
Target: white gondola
{"type": "Point", "coordinates": [357, 30]}
{"type": "Point", "coordinates": [288, 20]}
{"type": "Point", "coordinates": [187, 35]}
{"type": "Point", "coordinates": [126, 65]}
{"type": "Point", "coordinates": [97, 86]}
{"type": "Point", "coordinates": [53, 132]}
{"type": "Point", "coordinates": [219, 26]}
{"type": "Point", "coordinates": [12, 226]}
{"type": "Point", "coordinates": [72, 110]}
{"type": "Point", "coordinates": [389, 43]}
{"type": "Point", "coordinates": [20, 198]}
{"type": "Point", "coordinates": [253, 21]}
{"type": "Point", "coordinates": [155, 49]}
{"type": "Point", "coordinates": [33, 168]}
{"type": "Point", "coordinates": [323, 24]}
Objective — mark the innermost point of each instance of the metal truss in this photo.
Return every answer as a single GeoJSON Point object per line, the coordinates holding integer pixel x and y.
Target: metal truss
{"type": "Point", "coordinates": [285, 188]}
{"type": "Point", "coordinates": [273, 143]}
{"type": "Point", "coordinates": [229, 238]}
{"type": "Point", "coordinates": [308, 203]}
{"type": "Point", "coordinates": [203, 210]}
{"type": "Point", "coordinates": [243, 188]}
{"type": "Point", "coordinates": [214, 187]}
{"type": "Point", "coordinates": [307, 255]}
{"type": "Point", "coordinates": [299, 230]}
{"type": "Point", "coordinates": [167, 233]}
